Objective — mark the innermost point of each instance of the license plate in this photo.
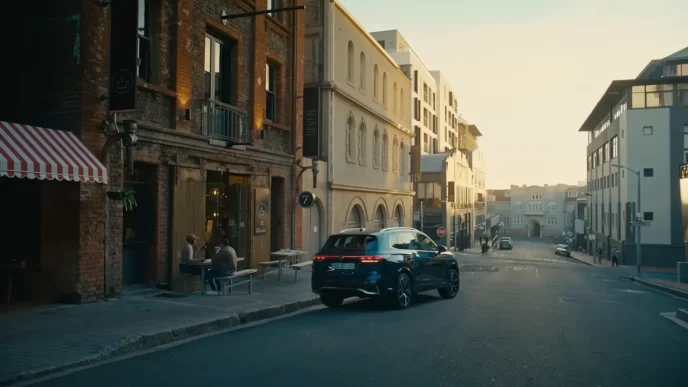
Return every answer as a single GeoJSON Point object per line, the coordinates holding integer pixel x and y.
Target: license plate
{"type": "Point", "coordinates": [343, 266]}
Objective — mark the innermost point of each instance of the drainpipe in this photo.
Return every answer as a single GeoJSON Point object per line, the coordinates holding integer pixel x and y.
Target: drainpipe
{"type": "Point", "coordinates": [294, 98]}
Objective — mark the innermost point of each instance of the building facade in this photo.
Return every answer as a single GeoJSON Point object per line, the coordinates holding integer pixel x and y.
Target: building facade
{"type": "Point", "coordinates": [637, 142]}
{"type": "Point", "coordinates": [212, 133]}
{"type": "Point", "coordinates": [362, 135]}
{"type": "Point", "coordinates": [448, 112]}
{"type": "Point", "coordinates": [423, 100]}
{"type": "Point", "coordinates": [537, 211]}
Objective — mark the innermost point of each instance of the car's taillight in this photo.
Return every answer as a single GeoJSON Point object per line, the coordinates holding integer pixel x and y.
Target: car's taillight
{"type": "Point", "coordinates": [324, 257]}
{"type": "Point", "coordinates": [371, 258]}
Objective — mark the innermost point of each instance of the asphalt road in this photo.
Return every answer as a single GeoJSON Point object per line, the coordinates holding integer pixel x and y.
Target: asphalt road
{"type": "Point", "coordinates": [519, 320]}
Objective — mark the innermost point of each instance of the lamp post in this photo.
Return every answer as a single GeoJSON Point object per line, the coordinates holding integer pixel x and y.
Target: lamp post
{"type": "Point", "coordinates": [637, 223]}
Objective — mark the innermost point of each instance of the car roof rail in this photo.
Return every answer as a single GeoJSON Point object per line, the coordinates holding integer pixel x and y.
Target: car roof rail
{"type": "Point", "coordinates": [397, 228]}
{"type": "Point", "coordinates": [357, 229]}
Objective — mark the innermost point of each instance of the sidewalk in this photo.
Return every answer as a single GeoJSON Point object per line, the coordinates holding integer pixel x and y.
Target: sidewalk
{"type": "Point", "coordinates": [666, 273]}
{"type": "Point", "coordinates": [672, 287]}
{"type": "Point", "coordinates": [54, 338]}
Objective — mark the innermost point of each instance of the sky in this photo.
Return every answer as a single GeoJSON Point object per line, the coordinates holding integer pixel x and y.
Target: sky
{"type": "Point", "coordinates": [529, 72]}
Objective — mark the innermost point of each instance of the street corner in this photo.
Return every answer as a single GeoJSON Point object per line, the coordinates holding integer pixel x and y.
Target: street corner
{"type": "Point", "coordinates": [672, 288]}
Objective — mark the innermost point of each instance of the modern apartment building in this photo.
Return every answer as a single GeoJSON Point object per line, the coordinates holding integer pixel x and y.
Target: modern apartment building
{"type": "Point", "coordinates": [448, 112]}
{"type": "Point", "coordinates": [537, 211]}
{"type": "Point", "coordinates": [423, 101]}
{"type": "Point", "coordinates": [637, 139]}
{"type": "Point", "coordinates": [356, 102]}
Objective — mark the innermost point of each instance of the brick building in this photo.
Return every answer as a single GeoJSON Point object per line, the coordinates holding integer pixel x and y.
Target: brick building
{"type": "Point", "coordinates": [218, 132]}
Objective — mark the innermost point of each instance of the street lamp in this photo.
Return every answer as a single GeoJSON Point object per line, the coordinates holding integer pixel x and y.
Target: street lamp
{"type": "Point", "coordinates": [637, 222]}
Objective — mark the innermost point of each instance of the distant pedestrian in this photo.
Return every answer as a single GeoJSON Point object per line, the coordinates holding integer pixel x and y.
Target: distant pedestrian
{"type": "Point", "coordinates": [598, 257]}
{"type": "Point", "coordinates": [615, 258]}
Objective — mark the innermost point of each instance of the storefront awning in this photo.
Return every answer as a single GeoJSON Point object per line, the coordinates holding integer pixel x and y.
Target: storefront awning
{"type": "Point", "coordinates": [39, 153]}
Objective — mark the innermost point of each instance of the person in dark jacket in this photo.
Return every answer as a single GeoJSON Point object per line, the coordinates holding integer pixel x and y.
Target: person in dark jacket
{"type": "Point", "coordinates": [615, 257]}
{"type": "Point", "coordinates": [224, 264]}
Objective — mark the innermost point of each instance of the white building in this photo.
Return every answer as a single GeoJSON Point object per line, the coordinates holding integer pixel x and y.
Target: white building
{"type": "Point", "coordinates": [639, 131]}
{"type": "Point", "coordinates": [448, 112]}
{"type": "Point", "coordinates": [423, 101]}
{"type": "Point", "coordinates": [358, 123]}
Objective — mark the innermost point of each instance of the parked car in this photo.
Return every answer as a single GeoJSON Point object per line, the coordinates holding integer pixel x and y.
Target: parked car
{"type": "Point", "coordinates": [506, 244]}
{"type": "Point", "coordinates": [392, 264]}
{"type": "Point", "coordinates": [562, 250]}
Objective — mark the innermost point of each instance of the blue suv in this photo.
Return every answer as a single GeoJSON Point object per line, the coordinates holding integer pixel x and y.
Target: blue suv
{"type": "Point", "coordinates": [392, 264]}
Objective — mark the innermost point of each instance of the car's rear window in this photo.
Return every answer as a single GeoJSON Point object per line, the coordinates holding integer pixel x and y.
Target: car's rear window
{"type": "Point", "coordinates": [563, 246]}
{"type": "Point", "coordinates": [350, 244]}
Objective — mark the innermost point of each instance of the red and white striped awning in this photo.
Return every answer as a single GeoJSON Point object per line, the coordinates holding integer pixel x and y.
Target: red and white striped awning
{"type": "Point", "coordinates": [39, 153]}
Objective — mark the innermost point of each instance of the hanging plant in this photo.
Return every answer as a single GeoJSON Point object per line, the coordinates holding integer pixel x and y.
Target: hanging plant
{"type": "Point", "coordinates": [129, 200]}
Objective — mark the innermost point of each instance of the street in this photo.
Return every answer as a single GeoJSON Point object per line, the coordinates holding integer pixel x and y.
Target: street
{"type": "Point", "coordinates": [522, 318]}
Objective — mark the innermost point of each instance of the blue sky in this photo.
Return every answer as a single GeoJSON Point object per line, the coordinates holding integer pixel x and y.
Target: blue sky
{"type": "Point", "coordinates": [528, 72]}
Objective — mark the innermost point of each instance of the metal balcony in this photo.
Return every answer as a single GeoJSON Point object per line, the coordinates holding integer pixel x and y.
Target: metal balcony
{"type": "Point", "coordinates": [225, 122]}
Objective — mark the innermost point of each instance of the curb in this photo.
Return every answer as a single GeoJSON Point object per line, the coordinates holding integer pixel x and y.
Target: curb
{"type": "Point", "coordinates": [665, 289]}
{"type": "Point", "coordinates": [152, 340]}
{"type": "Point", "coordinates": [581, 261]}
{"type": "Point", "coordinates": [682, 314]}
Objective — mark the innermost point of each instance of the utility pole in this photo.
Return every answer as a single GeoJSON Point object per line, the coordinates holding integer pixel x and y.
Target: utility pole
{"type": "Point", "coordinates": [638, 223]}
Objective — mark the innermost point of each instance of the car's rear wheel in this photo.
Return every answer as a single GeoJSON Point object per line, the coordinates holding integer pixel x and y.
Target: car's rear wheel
{"type": "Point", "coordinates": [331, 300]}
{"type": "Point", "coordinates": [403, 292]}
{"type": "Point", "coordinates": [453, 284]}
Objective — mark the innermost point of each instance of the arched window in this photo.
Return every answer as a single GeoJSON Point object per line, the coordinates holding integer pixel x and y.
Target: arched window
{"type": "Point", "coordinates": [402, 158]}
{"type": "Point", "coordinates": [379, 218]}
{"type": "Point", "coordinates": [384, 89]}
{"type": "Point", "coordinates": [355, 217]}
{"type": "Point", "coordinates": [350, 73]}
{"type": "Point", "coordinates": [351, 139]}
{"type": "Point", "coordinates": [402, 101]}
{"type": "Point", "coordinates": [363, 71]}
{"type": "Point", "coordinates": [376, 82]}
{"type": "Point", "coordinates": [398, 217]}
{"type": "Point", "coordinates": [376, 148]}
{"type": "Point", "coordinates": [385, 151]}
{"type": "Point", "coordinates": [394, 98]}
{"type": "Point", "coordinates": [362, 143]}
{"type": "Point", "coordinates": [395, 155]}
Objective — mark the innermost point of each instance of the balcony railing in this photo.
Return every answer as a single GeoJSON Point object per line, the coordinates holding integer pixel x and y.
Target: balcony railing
{"type": "Point", "coordinates": [480, 205]}
{"type": "Point", "coordinates": [225, 122]}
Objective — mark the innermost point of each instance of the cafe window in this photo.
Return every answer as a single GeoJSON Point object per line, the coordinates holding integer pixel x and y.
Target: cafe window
{"type": "Point", "coordinates": [227, 211]}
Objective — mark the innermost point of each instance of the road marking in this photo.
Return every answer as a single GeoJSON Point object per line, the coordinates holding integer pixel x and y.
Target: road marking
{"type": "Point", "coordinates": [630, 291]}
{"type": "Point", "coordinates": [538, 274]}
{"type": "Point", "coordinates": [672, 317]}
{"type": "Point", "coordinates": [518, 268]}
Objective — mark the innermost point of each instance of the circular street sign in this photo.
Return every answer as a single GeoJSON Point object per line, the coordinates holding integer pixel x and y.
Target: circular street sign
{"type": "Point", "coordinates": [441, 231]}
{"type": "Point", "coordinates": [306, 199]}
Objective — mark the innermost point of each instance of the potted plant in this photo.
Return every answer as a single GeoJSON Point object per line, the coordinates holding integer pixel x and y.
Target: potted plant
{"type": "Point", "coordinates": [128, 197]}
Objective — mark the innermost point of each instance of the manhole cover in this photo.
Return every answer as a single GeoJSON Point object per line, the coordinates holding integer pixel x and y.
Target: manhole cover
{"type": "Point", "coordinates": [170, 295]}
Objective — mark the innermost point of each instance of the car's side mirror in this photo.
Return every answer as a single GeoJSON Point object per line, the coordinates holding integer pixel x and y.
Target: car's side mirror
{"type": "Point", "coordinates": [441, 248]}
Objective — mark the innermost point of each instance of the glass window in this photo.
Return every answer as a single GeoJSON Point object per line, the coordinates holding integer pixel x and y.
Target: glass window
{"type": "Point", "coordinates": [270, 92]}
{"type": "Point", "coordinates": [348, 244]}
{"type": "Point", "coordinates": [144, 42]}
{"type": "Point", "coordinates": [615, 147]}
{"type": "Point", "coordinates": [682, 94]}
{"type": "Point", "coordinates": [404, 241]}
{"type": "Point", "coordinates": [425, 243]}
{"type": "Point", "coordinates": [638, 97]}
{"type": "Point", "coordinates": [218, 62]}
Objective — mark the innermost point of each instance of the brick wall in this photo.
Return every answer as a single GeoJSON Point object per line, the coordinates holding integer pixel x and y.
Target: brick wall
{"type": "Point", "coordinates": [73, 96]}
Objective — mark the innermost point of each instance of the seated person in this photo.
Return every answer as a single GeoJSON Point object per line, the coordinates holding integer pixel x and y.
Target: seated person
{"type": "Point", "coordinates": [224, 264]}
{"type": "Point", "coordinates": [188, 257]}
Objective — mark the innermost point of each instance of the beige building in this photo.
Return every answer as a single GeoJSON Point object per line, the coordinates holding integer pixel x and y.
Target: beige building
{"type": "Point", "coordinates": [357, 99]}
{"type": "Point", "coordinates": [537, 211]}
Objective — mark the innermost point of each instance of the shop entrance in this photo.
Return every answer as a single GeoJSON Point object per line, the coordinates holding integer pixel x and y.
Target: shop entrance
{"type": "Point", "coordinates": [138, 223]}
{"type": "Point", "coordinates": [227, 212]}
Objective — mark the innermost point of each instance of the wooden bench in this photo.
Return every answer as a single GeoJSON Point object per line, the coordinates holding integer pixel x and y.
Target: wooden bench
{"type": "Point", "coordinates": [297, 268]}
{"type": "Point", "coordinates": [268, 264]}
{"type": "Point", "coordinates": [227, 282]}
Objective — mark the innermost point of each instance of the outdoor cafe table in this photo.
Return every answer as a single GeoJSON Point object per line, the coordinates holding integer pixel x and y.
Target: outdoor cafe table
{"type": "Point", "coordinates": [205, 265]}
{"type": "Point", "coordinates": [292, 256]}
